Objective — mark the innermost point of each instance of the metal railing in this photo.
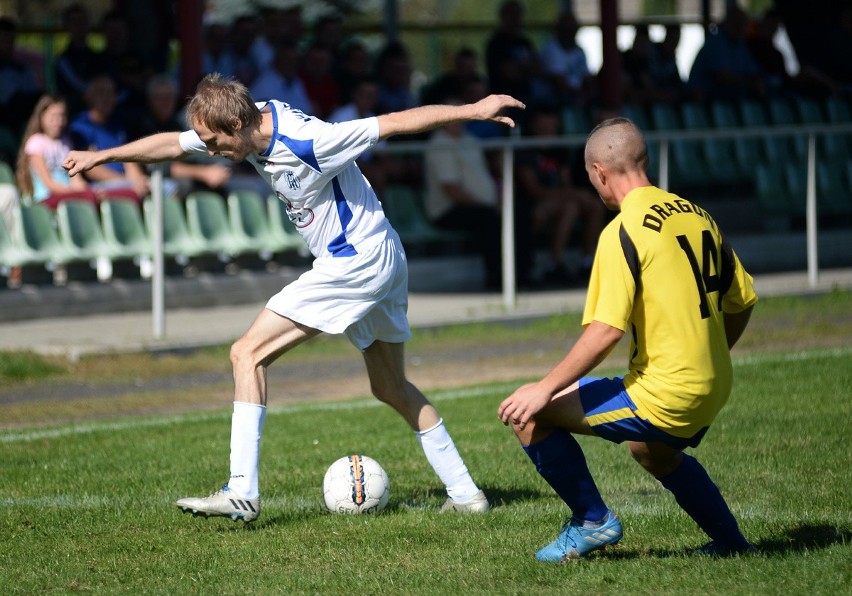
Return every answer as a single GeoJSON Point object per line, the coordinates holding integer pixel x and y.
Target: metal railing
{"type": "Point", "coordinates": [663, 139]}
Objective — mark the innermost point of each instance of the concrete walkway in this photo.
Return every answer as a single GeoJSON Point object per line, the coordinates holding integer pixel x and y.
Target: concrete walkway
{"type": "Point", "coordinates": [211, 325]}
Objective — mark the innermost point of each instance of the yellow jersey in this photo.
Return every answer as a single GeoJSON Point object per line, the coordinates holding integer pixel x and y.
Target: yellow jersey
{"type": "Point", "coordinates": [664, 273]}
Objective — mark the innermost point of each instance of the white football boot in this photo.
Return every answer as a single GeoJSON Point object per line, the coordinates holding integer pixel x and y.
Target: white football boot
{"type": "Point", "coordinates": [224, 502]}
{"type": "Point", "coordinates": [478, 504]}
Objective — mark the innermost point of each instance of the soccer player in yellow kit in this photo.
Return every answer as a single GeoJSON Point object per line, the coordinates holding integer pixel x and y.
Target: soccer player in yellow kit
{"type": "Point", "coordinates": [664, 273]}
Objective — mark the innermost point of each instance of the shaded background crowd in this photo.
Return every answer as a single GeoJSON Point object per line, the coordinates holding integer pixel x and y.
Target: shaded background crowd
{"type": "Point", "coordinates": [96, 98]}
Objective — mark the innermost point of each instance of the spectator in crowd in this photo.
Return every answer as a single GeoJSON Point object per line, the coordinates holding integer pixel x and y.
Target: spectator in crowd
{"type": "Point", "coordinates": [78, 62]}
{"type": "Point", "coordinates": [281, 80]}
{"type": "Point", "coordinates": [18, 87]}
{"type": "Point", "coordinates": [636, 68]}
{"type": "Point", "coordinates": [39, 173]}
{"type": "Point", "coordinates": [99, 127]}
{"type": "Point", "coordinates": [510, 56]}
{"type": "Point", "coordinates": [663, 68]}
{"type": "Point", "coordinates": [328, 31]}
{"type": "Point", "coordinates": [724, 68]}
{"type": "Point", "coordinates": [393, 74]}
{"type": "Point", "coordinates": [125, 64]}
{"type": "Point", "coordinates": [353, 66]}
{"type": "Point", "coordinates": [162, 115]}
{"type": "Point", "coordinates": [564, 63]}
{"type": "Point", "coordinates": [545, 186]}
{"type": "Point", "coordinates": [365, 97]}
{"type": "Point", "coordinates": [318, 79]}
{"type": "Point", "coordinates": [761, 43]}
{"type": "Point", "coordinates": [216, 54]}
{"type": "Point", "coordinates": [242, 36]}
{"type": "Point", "coordinates": [650, 72]}
{"type": "Point", "coordinates": [277, 25]}
{"type": "Point", "coordinates": [462, 195]}
{"type": "Point", "coordinates": [151, 26]}
{"type": "Point", "coordinates": [452, 82]}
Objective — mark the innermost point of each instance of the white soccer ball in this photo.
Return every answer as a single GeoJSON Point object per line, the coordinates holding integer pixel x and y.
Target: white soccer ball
{"type": "Point", "coordinates": [356, 484]}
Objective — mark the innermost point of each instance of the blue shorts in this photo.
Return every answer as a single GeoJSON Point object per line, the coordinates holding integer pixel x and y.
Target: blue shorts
{"type": "Point", "coordinates": [612, 415]}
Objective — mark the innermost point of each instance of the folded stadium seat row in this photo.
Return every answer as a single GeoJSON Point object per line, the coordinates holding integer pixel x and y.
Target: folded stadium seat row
{"type": "Point", "coordinates": [403, 206]}
{"type": "Point", "coordinates": [77, 234]}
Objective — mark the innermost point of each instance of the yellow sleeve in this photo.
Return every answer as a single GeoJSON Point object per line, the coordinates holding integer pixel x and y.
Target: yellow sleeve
{"type": "Point", "coordinates": [612, 287]}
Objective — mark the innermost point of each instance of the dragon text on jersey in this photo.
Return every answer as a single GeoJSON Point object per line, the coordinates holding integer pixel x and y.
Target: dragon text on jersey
{"type": "Point", "coordinates": [654, 221]}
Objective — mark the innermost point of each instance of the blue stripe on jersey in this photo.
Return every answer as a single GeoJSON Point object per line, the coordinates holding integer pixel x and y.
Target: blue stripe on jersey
{"type": "Point", "coordinates": [339, 246]}
{"type": "Point", "coordinates": [303, 149]}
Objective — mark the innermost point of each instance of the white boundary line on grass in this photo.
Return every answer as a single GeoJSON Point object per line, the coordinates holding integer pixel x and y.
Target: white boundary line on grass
{"type": "Point", "coordinates": [355, 404]}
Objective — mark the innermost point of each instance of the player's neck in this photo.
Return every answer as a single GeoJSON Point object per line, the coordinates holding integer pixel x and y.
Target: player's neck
{"type": "Point", "coordinates": [263, 136]}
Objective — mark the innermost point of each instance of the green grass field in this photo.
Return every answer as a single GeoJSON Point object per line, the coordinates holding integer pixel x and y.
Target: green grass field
{"type": "Point", "coordinates": [89, 507]}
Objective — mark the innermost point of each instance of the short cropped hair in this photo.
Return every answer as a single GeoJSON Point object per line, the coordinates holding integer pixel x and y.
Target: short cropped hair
{"type": "Point", "coordinates": [219, 103]}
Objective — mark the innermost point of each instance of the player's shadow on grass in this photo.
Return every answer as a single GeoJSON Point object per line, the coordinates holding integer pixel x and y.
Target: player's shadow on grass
{"type": "Point", "coordinates": [803, 538]}
{"type": "Point", "coordinates": [794, 540]}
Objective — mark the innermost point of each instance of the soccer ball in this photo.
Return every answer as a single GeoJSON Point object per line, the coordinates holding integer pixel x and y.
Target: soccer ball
{"type": "Point", "coordinates": [356, 484]}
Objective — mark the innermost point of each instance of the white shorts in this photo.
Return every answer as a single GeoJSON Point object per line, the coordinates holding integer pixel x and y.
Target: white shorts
{"type": "Point", "coordinates": [364, 296]}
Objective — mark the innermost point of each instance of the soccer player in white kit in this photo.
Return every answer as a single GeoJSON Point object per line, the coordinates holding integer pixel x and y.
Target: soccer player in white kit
{"type": "Point", "coordinates": [359, 281]}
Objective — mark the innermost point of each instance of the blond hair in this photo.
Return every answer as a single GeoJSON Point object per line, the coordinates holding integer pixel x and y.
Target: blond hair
{"type": "Point", "coordinates": [222, 105]}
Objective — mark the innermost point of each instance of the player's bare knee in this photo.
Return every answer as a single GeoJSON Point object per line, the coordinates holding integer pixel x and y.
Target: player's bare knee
{"type": "Point", "coordinates": [241, 355]}
{"type": "Point", "coordinates": [527, 434]}
{"type": "Point", "coordinates": [656, 463]}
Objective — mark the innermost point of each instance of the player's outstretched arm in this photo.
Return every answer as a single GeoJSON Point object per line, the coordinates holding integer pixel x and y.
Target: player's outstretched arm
{"type": "Point", "coordinates": [163, 146]}
{"type": "Point", "coordinates": [425, 118]}
{"type": "Point", "coordinates": [596, 342]}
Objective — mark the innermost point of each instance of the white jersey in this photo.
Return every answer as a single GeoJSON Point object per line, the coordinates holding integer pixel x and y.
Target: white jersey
{"type": "Point", "coordinates": [310, 164]}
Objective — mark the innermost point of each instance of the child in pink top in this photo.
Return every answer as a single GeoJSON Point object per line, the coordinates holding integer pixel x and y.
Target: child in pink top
{"type": "Point", "coordinates": [39, 172]}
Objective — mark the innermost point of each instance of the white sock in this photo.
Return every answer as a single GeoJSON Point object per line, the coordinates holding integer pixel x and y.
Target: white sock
{"type": "Point", "coordinates": [447, 463]}
{"type": "Point", "coordinates": [246, 428]}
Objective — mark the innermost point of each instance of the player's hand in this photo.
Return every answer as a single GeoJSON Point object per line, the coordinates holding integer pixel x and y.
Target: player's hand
{"type": "Point", "coordinates": [523, 404]}
{"type": "Point", "coordinates": [491, 108]}
{"type": "Point", "coordinates": [79, 161]}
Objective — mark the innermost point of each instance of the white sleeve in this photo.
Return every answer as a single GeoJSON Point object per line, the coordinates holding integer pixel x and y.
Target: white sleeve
{"type": "Point", "coordinates": [191, 143]}
{"type": "Point", "coordinates": [338, 145]}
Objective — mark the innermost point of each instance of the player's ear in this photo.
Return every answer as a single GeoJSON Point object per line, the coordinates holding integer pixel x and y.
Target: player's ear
{"type": "Point", "coordinates": [599, 173]}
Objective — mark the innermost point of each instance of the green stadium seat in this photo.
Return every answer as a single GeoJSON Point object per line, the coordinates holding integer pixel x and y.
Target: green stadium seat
{"type": "Point", "coordinates": [747, 150]}
{"type": "Point", "coordinates": [123, 226]}
{"type": "Point", "coordinates": [838, 110]}
{"type": "Point", "coordinates": [575, 121]}
{"type": "Point", "coordinates": [280, 225]}
{"type": "Point", "coordinates": [403, 206]}
{"type": "Point", "coordinates": [833, 146]}
{"type": "Point", "coordinates": [207, 216]}
{"type": "Point", "coordinates": [771, 191]}
{"type": "Point", "coordinates": [80, 230]}
{"type": "Point", "coordinates": [7, 174]}
{"type": "Point", "coordinates": [719, 153]}
{"type": "Point", "coordinates": [178, 242]}
{"type": "Point", "coordinates": [833, 195]}
{"type": "Point", "coordinates": [37, 230]}
{"type": "Point", "coordinates": [777, 150]}
{"type": "Point", "coordinates": [637, 114]}
{"type": "Point", "coordinates": [781, 113]}
{"type": "Point", "coordinates": [14, 253]}
{"type": "Point", "coordinates": [249, 217]}
{"type": "Point", "coordinates": [796, 175]}
{"type": "Point", "coordinates": [687, 163]}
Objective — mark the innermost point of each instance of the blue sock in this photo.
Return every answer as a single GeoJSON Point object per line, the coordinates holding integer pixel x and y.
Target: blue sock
{"type": "Point", "coordinates": [696, 493]}
{"type": "Point", "coordinates": [560, 460]}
